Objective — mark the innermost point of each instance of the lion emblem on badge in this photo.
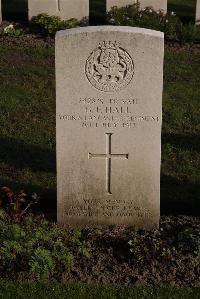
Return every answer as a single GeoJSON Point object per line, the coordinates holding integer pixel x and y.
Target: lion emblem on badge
{"type": "Point", "coordinates": [109, 67]}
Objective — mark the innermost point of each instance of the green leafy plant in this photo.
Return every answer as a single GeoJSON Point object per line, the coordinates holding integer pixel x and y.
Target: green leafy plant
{"type": "Point", "coordinates": [38, 247]}
{"type": "Point", "coordinates": [41, 263]}
{"type": "Point", "coordinates": [78, 241]}
{"type": "Point", "coordinates": [62, 255]}
{"type": "Point", "coordinates": [189, 33]}
{"type": "Point", "coordinates": [13, 204]}
{"type": "Point", "coordinates": [12, 238]}
{"type": "Point", "coordinates": [11, 31]}
{"type": "Point", "coordinates": [51, 24]}
{"type": "Point", "coordinates": [189, 240]}
{"type": "Point", "coordinates": [145, 247]}
{"type": "Point", "coordinates": [168, 23]}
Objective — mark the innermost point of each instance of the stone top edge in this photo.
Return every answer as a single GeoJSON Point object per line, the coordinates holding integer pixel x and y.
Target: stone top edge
{"type": "Point", "coordinates": [125, 29]}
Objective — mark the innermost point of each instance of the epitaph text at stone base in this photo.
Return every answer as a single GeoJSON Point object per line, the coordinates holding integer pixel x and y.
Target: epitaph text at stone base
{"type": "Point", "coordinates": [109, 84]}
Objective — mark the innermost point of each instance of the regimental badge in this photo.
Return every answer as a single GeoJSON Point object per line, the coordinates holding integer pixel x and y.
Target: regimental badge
{"type": "Point", "coordinates": [109, 67]}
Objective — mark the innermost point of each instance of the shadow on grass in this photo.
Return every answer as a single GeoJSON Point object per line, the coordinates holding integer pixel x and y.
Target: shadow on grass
{"type": "Point", "coordinates": [21, 155]}
{"type": "Point", "coordinates": [177, 196]}
{"type": "Point", "coordinates": [15, 9]}
{"type": "Point", "coordinates": [186, 142]}
{"type": "Point", "coordinates": [180, 196]}
{"type": "Point", "coordinates": [186, 12]}
{"type": "Point", "coordinates": [48, 200]}
{"type": "Point", "coordinates": [18, 155]}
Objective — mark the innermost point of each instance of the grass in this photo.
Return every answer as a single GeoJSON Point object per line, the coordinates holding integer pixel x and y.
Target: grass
{"type": "Point", "coordinates": [27, 126]}
{"type": "Point", "coordinates": [181, 130]}
{"type": "Point", "coordinates": [27, 121]}
{"type": "Point", "coordinates": [82, 291]}
{"type": "Point", "coordinates": [185, 9]}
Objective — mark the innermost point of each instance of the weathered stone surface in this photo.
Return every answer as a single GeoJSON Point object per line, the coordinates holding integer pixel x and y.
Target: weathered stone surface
{"type": "Point", "coordinates": [66, 9]}
{"type": "Point", "coordinates": [198, 12]}
{"type": "Point", "coordinates": [156, 4]}
{"type": "Point", "coordinates": [109, 83]}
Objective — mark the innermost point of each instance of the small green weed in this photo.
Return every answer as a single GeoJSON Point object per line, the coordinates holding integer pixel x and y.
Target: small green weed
{"type": "Point", "coordinates": [189, 240]}
{"type": "Point", "coordinates": [189, 33]}
{"type": "Point", "coordinates": [51, 24]}
{"type": "Point", "coordinates": [13, 204]}
{"type": "Point", "coordinates": [11, 31]}
{"type": "Point", "coordinates": [38, 248]}
{"type": "Point", "coordinates": [145, 247]}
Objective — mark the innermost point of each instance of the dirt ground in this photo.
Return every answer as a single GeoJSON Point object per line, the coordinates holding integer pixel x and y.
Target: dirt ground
{"type": "Point", "coordinates": [111, 260]}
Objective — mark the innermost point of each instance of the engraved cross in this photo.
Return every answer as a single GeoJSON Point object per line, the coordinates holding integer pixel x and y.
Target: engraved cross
{"type": "Point", "coordinates": [108, 156]}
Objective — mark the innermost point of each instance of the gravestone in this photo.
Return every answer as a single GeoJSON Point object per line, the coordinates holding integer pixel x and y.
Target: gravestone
{"type": "Point", "coordinates": [66, 9]}
{"type": "Point", "coordinates": [109, 82]}
{"type": "Point", "coordinates": [155, 4]}
{"type": "Point", "coordinates": [198, 12]}
{"type": "Point", "coordinates": [118, 3]}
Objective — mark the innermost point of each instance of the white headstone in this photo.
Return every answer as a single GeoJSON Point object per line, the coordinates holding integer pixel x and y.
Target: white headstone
{"type": "Point", "coordinates": [155, 4]}
{"type": "Point", "coordinates": [118, 3]}
{"type": "Point", "coordinates": [66, 9]}
{"type": "Point", "coordinates": [198, 12]}
{"type": "Point", "coordinates": [109, 82]}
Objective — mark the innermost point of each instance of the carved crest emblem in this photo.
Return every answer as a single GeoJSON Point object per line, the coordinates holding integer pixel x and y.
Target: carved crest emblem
{"type": "Point", "coordinates": [109, 67]}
